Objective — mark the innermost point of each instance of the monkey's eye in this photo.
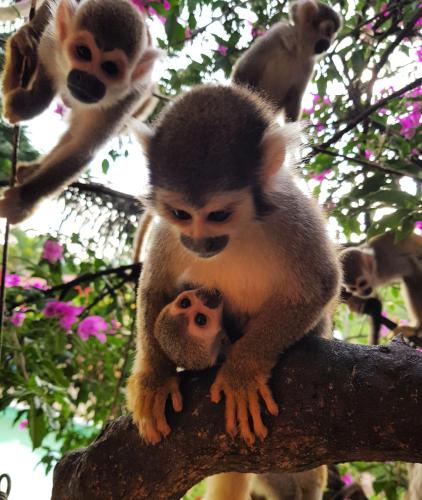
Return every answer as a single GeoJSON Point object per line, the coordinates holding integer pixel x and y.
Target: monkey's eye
{"type": "Point", "coordinates": [110, 68]}
{"type": "Point", "coordinates": [83, 53]}
{"type": "Point", "coordinates": [200, 319]}
{"type": "Point", "coordinates": [181, 214]}
{"type": "Point", "coordinates": [185, 303]}
{"type": "Point", "coordinates": [218, 216]}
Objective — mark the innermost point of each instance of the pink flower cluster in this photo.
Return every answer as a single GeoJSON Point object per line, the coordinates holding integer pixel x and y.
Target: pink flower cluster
{"type": "Point", "coordinates": [52, 251]}
{"type": "Point", "coordinates": [410, 122]}
{"type": "Point", "coordinates": [34, 282]}
{"type": "Point", "coordinates": [143, 6]}
{"type": "Point", "coordinates": [94, 326]}
{"type": "Point", "coordinates": [321, 176]}
{"type": "Point", "coordinates": [317, 100]}
{"type": "Point", "coordinates": [222, 49]}
{"type": "Point", "coordinates": [65, 311]}
{"type": "Point", "coordinates": [18, 318]}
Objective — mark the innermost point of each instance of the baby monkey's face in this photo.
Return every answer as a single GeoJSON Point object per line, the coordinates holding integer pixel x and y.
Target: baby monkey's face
{"type": "Point", "coordinates": [203, 309]}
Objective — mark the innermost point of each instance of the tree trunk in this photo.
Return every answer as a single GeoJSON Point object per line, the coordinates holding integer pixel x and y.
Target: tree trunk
{"type": "Point", "coordinates": [338, 402]}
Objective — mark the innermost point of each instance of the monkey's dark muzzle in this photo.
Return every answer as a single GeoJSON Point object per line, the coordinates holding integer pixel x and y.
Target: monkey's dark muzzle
{"type": "Point", "coordinates": [85, 87]}
{"type": "Point", "coordinates": [205, 247]}
{"type": "Point", "coordinates": [321, 46]}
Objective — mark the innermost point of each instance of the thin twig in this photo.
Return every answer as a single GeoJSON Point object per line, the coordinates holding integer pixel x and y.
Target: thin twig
{"type": "Point", "coordinates": [367, 163]}
{"type": "Point", "coordinates": [352, 124]}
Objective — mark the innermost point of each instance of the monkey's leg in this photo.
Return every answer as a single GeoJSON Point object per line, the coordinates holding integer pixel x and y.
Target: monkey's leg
{"type": "Point", "coordinates": [24, 104]}
{"type": "Point", "coordinates": [293, 103]}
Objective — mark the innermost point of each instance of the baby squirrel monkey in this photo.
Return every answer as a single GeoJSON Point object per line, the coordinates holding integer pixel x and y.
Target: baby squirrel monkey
{"type": "Point", "coordinates": [382, 261]}
{"type": "Point", "coordinates": [98, 56]}
{"type": "Point", "coordinates": [190, 329]}
{"type": "Point", "coordinates": [230, 217]}
{"type": "Point", "coordinates": [190, 332]}
{"type": "Point", "coordinates": [281, 62]}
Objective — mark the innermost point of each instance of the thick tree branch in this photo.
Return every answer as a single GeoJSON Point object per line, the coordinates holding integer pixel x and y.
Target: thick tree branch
{"type": "Point", "coordinates": [339, 402]}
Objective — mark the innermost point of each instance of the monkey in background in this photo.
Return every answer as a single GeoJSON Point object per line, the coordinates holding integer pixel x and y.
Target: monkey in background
{"type": "Point", "coordinates": [281, 62]}
{"type": "Point", "coordinates": [190, 329]}
{"type": "Point", "coordinates": [98, 56]}
{"type": "Point", "coordinates": [382, 261]}
{"type": "Point", "coordinates": [225, 201]}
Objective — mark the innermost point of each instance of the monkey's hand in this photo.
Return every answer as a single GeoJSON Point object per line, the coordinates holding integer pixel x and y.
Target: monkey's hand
{"type": "Point", "coordinates": [26, 170]}
{"type": "Point", "coordinates": [13, 208]}
{"type": "Point", "coordinates": [147, 394]}
{"type": "Point", "coordinates": [242, 388]}
{"type": "Point", "coordinates": [24, 45]}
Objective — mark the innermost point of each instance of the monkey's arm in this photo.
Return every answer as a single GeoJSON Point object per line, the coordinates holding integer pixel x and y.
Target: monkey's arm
{"type": "Point", "coordinates": [293, 102]}
{"type": "Point", "coordinates": [279, 324]}
{"type": "Point", "coordinates": [88, 131]}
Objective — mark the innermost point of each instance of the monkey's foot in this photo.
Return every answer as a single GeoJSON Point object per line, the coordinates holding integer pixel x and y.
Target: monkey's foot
{"type": "Point", "coordinates": [12, 207]}
{"type": "Point", "coordinates": [26, 170]}
{"type": "Point", "coordinates": [146, 398]}
{"type": "Point", "coordinates": [242, 392]}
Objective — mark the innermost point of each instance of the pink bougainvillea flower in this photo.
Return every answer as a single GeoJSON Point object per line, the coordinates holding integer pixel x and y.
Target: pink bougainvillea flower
{"type": "Point", "coordinates": [12, 280]}
{"type": "Point", "coordinates": [65, 311]}
{"type": "Point", "coordinates": [17, 318]}
{"type": "Point", "coordinates": [23, 424]}
{"type": "Point", "coordinates": [369, 154]}
{"type": "Point", "coordinates": [321, 176]}
{"type": "Point", "coordinates": [93, 325]}
{"type": "Point", "coordinates": [382, 111]}
{"type": "Point", "coordinates": [384, 11]}
{"type": "Point", "coordinates": [315, 98]}
{"type": "Point", "coordinates": [326, 100]}
{"type": "Point", "coordinates": [60, 109]}
{"type": "Point", "coordinates": [384, 331]}
{"type": "Point", "coordinates": [166, 4]}
{"type": "Point", "coordinates": [319, 126]}
{"type": "Point", "coordinates": [308, 111]}
{"type": "Point", "coordinates": [222, 49]}
{"type": "Point", "coordinates": [418, 225]}
{"type": "Point", "coordinates": [188, 33]}
{"type": "Point", "coordinates": [418, 22]}
{"type": "Point", "coordinates": [35, 282]}
{"type": "Point", "coordinates": [410, 122]}
{"type": "Point", "coordinates": [140, 4]}
{"type": "Point", "coordinates": [52, 251]}
{"type": "Point", "coordinates": [347, 479]}
{"type": "Point", "coordinates": [114, 326]}
{"type": "Point", "coordinates": [419, 54]}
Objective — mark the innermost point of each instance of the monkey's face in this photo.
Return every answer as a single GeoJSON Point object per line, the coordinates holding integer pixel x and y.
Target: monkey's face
{"type": "Point", "coordinates": [95, 76]}
{"type": "Point", "coordinates": [359, 272]}
{"type": "Point", "coordinates": [206, 230]}
{"type": "Point", "coordinates": [194, 321]}
{"type": "Point", "coordinates": [318, 23]}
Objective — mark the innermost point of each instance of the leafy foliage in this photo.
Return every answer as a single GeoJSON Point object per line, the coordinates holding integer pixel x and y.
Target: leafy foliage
{"type": "Point", "coordinates": [363, 165]}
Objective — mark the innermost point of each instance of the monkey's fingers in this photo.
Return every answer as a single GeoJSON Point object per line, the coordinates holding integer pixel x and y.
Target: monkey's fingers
{"type": "Point", "coordinates": [12, 206]}
{"type": "Point", "coordinates": [266, 395]}
{"type": "Point", "coordinates": [406, 331]}
{"type": "Point", "coordinates": [215, 390]}
{"type": "Point", "coordinates": [243, 418]}
{"type": "Point", "coordinates": [176, 399]}
{"type": "Point", "coordinates": [159, 412]}
{"type": "Point", "coordinates": [255, 411]}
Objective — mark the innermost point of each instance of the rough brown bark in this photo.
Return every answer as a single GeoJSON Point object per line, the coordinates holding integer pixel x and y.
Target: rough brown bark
{"type": "Point", "coordinates": [338, 402]}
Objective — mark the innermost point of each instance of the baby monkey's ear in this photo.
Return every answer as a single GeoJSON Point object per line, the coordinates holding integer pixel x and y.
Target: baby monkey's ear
{"type": "Point", "coordinates": [65, 12]}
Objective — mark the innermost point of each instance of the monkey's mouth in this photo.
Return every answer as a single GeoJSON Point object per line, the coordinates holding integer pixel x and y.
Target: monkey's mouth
{"type": "Point", "coordinates": [205, 247]}
{"type": "Point", "coordinates": [84, 87]}
{"type": "Point", "coordinates": [321, 46]}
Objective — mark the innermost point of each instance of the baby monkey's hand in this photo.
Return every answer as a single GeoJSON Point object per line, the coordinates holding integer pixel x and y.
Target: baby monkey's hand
{"type": "Point", "coordinates": [147, 394]}
{"type": "Point", "coordinates": [242, 388]}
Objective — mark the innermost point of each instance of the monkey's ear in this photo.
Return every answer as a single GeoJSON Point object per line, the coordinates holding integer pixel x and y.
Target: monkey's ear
{"type": "Point", "coordinates": [303, 10]}
{"type": "Point", "coordinates": [145, 64]}
{"type": "Point", "coordinates": [142, 132]}
{"type": "Point", "coordinates": [64, 14]}
{"type": "Point", "coordinates": [273, 151]}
